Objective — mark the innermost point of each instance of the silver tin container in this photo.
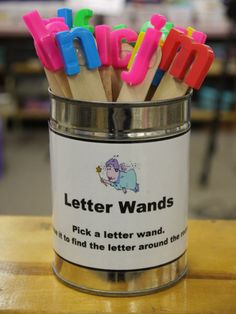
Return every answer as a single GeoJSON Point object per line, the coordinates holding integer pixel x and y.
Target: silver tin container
{"type": "Point", "coordinates": [123, 124]}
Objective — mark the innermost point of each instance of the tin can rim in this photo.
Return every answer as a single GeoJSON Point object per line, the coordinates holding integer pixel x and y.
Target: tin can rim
{"type": "Point", "coordinates": [121, 104]}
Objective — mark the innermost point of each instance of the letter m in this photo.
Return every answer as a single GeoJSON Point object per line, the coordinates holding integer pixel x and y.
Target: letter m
{"type": "Point", "coordinates": [185, 60]}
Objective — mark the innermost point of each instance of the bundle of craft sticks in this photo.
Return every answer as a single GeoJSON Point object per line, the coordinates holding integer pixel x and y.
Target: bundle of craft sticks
{"type": "Point", "coordinates": [105, 63]}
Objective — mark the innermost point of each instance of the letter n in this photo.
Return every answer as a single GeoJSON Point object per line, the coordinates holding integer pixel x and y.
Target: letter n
{"type": "Point", "coordinates": [65, 41]}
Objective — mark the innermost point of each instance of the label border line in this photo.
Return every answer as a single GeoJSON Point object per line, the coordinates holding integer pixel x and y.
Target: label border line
{"type": "Point", "coordinates": [139, 141]}
{"type": "Point", "coordinates": [121, 270]}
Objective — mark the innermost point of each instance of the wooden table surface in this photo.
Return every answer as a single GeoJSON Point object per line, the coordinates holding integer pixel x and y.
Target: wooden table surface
{"type": "Point", "coordinates": [27, 284]}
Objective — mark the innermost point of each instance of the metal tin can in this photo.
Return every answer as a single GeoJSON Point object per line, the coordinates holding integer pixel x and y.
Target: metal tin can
{"type": "Point", "coordinates": [120, 193]}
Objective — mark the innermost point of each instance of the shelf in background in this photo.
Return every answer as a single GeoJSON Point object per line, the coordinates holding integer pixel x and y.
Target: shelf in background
{"type": "Point", "coordinates": [32, 114]}
{"type": "Point", "coordinates": [24, 114]}
{"type": "Point", "coordinates": [219, 73]}
{"type": "Point", "coordinates": [202, 115]}
{"type": "Point", "coordinates": [11, 12]}
{"type": "Point", "coordinates": [197, 115]}
{"type": "Point", "coordinates": [32, 66]}
{"type": "Point", "coordinates": [217, 68]}
{"type": "Point", "coordinates": [7, 113]}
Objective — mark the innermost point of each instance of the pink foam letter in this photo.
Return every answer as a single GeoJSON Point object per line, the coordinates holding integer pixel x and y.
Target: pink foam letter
{"type": "Point", "coordinates": [43, 33]}
{"type": "Point", "coordinates": [103, 38]}
{"type": "Point", "coordinates": [116, 40]}
{"type": "Point", "coordinates": [199, 37]}
{"type": "Point", "coordinates": [145, 53]}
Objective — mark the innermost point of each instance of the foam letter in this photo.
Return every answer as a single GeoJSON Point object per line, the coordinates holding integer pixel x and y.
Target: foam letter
{"type": "Point", "coordinates": [65, 42]}
{"type": "Point", "coordinates": [144, 55]}
{"type": "Point", "coordinates": [67, 14]}
{"type": "Point", "coordinates": [116, 39]}
{"type": "Point", "coordinates": [81, 19]}
{"type": "Point", "coordinates": [103, 38]}
{"type": "Point", "coordinates": [192, 63]}
{"type": "Point", "coordinates": [44, 41]}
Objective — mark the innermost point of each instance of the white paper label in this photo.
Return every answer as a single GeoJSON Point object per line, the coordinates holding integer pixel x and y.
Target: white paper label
{"type": "Point", "coordinates": [120, 206]}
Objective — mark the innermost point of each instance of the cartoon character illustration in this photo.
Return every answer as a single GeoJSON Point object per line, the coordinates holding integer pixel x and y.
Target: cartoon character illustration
{"type": "Point", "coordinates": [119, 176]}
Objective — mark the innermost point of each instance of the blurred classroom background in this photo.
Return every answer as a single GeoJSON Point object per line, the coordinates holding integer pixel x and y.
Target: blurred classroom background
{"type": "Point", "coordinates": [24, 103]}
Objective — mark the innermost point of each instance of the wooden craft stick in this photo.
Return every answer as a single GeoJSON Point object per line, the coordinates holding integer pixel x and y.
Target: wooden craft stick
{"type": "Point", "coordinates": [116, 73]}
{"type": "Point", "coordinates": [53, 83]}
{"type": "Point", "coordinates": [103, 41]}
{"type": "Point", "coordinates": [106, 77]}
{"type": "Point", "coordinates": [58, 83]}
{"type": "Point", "coordinates": [81, 61]}
{"type": "Point", "coordinates": [116, 83]}
{"type": "Point", "coordinates": [139, 92]}
{"type": "Point", "coordinates": [62, 81]}
{"type": "Point", "coordinates": [170, 87]}
{"type": "Point", "coordinates": [87, 85]}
